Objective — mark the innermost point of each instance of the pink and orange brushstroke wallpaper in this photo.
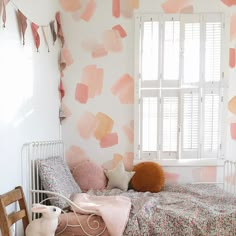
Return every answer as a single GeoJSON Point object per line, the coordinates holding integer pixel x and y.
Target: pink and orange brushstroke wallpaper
{"type": "Point", "coordinates": [98, 76]}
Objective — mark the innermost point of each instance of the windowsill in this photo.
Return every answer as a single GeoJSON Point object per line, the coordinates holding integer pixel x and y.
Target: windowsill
{"type": "Point", "coordinates": [184, 163]}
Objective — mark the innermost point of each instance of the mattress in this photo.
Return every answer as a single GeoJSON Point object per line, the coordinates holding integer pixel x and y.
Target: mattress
{"type": "Point", "coordinates": [188, 209]}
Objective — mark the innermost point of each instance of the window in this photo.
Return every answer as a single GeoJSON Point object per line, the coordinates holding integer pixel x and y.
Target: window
{"type": "Point", "coordinates": [180, 86]}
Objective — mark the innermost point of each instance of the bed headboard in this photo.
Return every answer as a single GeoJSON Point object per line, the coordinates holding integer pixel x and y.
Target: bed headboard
{"type": "Point", "coordinates": [30, 178]}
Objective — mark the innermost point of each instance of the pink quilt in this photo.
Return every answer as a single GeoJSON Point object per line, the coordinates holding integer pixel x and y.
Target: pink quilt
{"type": "Point", "coordinates": [114, 210]}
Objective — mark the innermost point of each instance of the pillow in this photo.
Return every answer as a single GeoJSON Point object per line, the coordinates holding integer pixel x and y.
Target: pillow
{"type": "Point", "coordinates": [56, 177]}
{"type": "Point", "coordinates": [148, 177]}
{"type": "Point", "coordinates": [119, 177]}
{"type": "Point", "coordinates": [89, 175]}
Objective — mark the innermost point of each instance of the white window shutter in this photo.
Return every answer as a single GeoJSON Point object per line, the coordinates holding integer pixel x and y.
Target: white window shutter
{"type": "Point", "coordinates": [150, 51]}
{"type": "Point", "coordinates": [213, 51]}
{"type": "Point", "coordinates": [191, 64]}
{"type": "Point", "coordinates": [211, 116]}
{"type": "Point", "coordinates": [170, 121]}
{"type": "Point", "coordinates": [171, 50]}
{"type": "Point", "coordinates": [180, 86]}
{"type": "Point", "coordinates": [190, 124]}
{"type": "Point", "coordinates": [149, 124]}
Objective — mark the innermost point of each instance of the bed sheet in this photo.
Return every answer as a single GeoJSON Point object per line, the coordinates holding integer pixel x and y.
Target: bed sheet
{"type": "Point", "coordinates": [179, 210]}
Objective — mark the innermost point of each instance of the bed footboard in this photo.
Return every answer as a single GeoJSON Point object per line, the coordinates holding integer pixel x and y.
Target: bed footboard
{"type": "Point", "coordinates": [230, 176]}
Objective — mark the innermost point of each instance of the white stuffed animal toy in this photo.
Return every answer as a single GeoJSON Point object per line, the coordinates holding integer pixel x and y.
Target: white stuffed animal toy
{"type": "Point", "coordinates": [47, 224]}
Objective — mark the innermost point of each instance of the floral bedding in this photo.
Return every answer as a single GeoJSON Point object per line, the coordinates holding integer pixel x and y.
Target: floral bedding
{"type": "Point", "coordinates": [198, 210]}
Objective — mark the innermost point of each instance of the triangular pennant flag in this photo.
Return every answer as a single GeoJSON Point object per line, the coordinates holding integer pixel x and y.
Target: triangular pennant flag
{"type": "Point", "coordinates": [1, 5]}
{"type": "Point", "coordinates": [34, 28]}
{"type": "Point", "coordinates": [61, 90]}
{"type": "Point", "coordinates": [52, 28]}
{"type": "Point", "coordinates": [62, 63]}
{"type": "Point", "coordinates": [4, 16]}
{"type": "Point", "coordinates": [23, 24]}
{"type": "Point", "coordinates": [45, 35]}
{"type": "Point", "coordinates": [59, 29]}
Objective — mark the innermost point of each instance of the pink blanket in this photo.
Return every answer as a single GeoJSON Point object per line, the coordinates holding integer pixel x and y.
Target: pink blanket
{"type": "Point", "coordinates": [114, 210]}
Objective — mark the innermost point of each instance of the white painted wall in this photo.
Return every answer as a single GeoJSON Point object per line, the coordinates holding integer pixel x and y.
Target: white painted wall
{"type": "Point", "coordinates": [115, 65]}
{"type": "Point", "coordinates": [29, 100]}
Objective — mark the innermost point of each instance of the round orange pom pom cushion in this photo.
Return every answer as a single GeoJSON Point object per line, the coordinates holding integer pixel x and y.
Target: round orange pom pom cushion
{"type": "Point", "coordinates": [148, 177]}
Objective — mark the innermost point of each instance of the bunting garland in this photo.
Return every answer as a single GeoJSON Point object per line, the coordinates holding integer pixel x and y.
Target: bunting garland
{"type": "Point", "coordinates": [22, 20]}
{"type": "Point", "coordinates": [54, 27]}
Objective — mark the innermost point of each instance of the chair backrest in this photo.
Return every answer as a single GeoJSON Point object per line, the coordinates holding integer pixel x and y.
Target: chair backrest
{"type": "Point", "coordinates": [7, 220]}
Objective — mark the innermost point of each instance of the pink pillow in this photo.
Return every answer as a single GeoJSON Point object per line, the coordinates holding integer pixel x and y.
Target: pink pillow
{"type": "Point", "coordinates": [89, 175]}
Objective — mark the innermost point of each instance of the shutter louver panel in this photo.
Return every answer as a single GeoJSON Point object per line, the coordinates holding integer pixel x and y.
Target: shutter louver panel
{"type": "Point", "coordinates": [179, 86]}
{"type": "Point", "coordinates": [149, 123]}
{"type": "Point", "coordinates": [213, 52]}
{"type": "Point", "coordinates": [191, 47]}
{"type": "Point", "coordinates": [171, 50]}
{"type": "Point", "coordinates": [150, 51]}
{"type": "Point", "coordinates": [170, 124]}
{"type": "Point", "coordinates": [211, 122]}
{"type": "Point", "coordinates": [190, 122]}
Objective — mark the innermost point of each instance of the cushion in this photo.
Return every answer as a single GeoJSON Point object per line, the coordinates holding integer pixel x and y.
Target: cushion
{"type": "Point", "coordinates": [56, 177]}
{"type": "Point", "coordinates": [89, 175]}
{"type": "Point", "coordinates": [119, 177]}
{"type": "Point", "coordinates": [148, 177]}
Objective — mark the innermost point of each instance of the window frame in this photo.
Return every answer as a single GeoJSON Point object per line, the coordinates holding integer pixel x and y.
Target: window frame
{"type": "Point", "coordinates": [138, 81]}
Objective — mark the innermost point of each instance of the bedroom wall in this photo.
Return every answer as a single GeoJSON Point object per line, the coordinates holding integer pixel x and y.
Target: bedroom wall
{"type": "Point", "coordinates": [29, 100]}
{"type": "Point", "coordinates": [99, 82]}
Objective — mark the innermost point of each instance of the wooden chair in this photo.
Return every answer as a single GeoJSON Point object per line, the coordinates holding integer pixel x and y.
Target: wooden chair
{"type": "Point", "coordinates": [7, 220]}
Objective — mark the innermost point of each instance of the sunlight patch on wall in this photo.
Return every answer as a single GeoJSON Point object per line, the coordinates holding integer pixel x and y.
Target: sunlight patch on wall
{"type": "Point", "coordinates": [15, 91]}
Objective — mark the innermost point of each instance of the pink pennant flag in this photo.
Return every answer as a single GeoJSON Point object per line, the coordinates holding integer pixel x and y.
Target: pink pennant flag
{"type": "Point", "coordinates": [62, 64]}
{"type": "Point", "coordinates": [61, 90]}
{"type": "Point", "coordinates": [53, 32]}
{"type": "Point", "coordinates": [45, 36]}
{"type": "Point", "coordinates": [34, 28]}
{"type": "Point", "coordinates": [23, 24]}
{"type": "Point", "coordinates": [4, 16]}
{"type": "Point", "coordinates": [59, 28]}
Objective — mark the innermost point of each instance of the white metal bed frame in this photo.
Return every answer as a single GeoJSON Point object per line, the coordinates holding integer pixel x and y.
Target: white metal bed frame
{"type": "Point", "coordinates": [43, 149]}
{"type": "Point", "coordinates": [33, 188]}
